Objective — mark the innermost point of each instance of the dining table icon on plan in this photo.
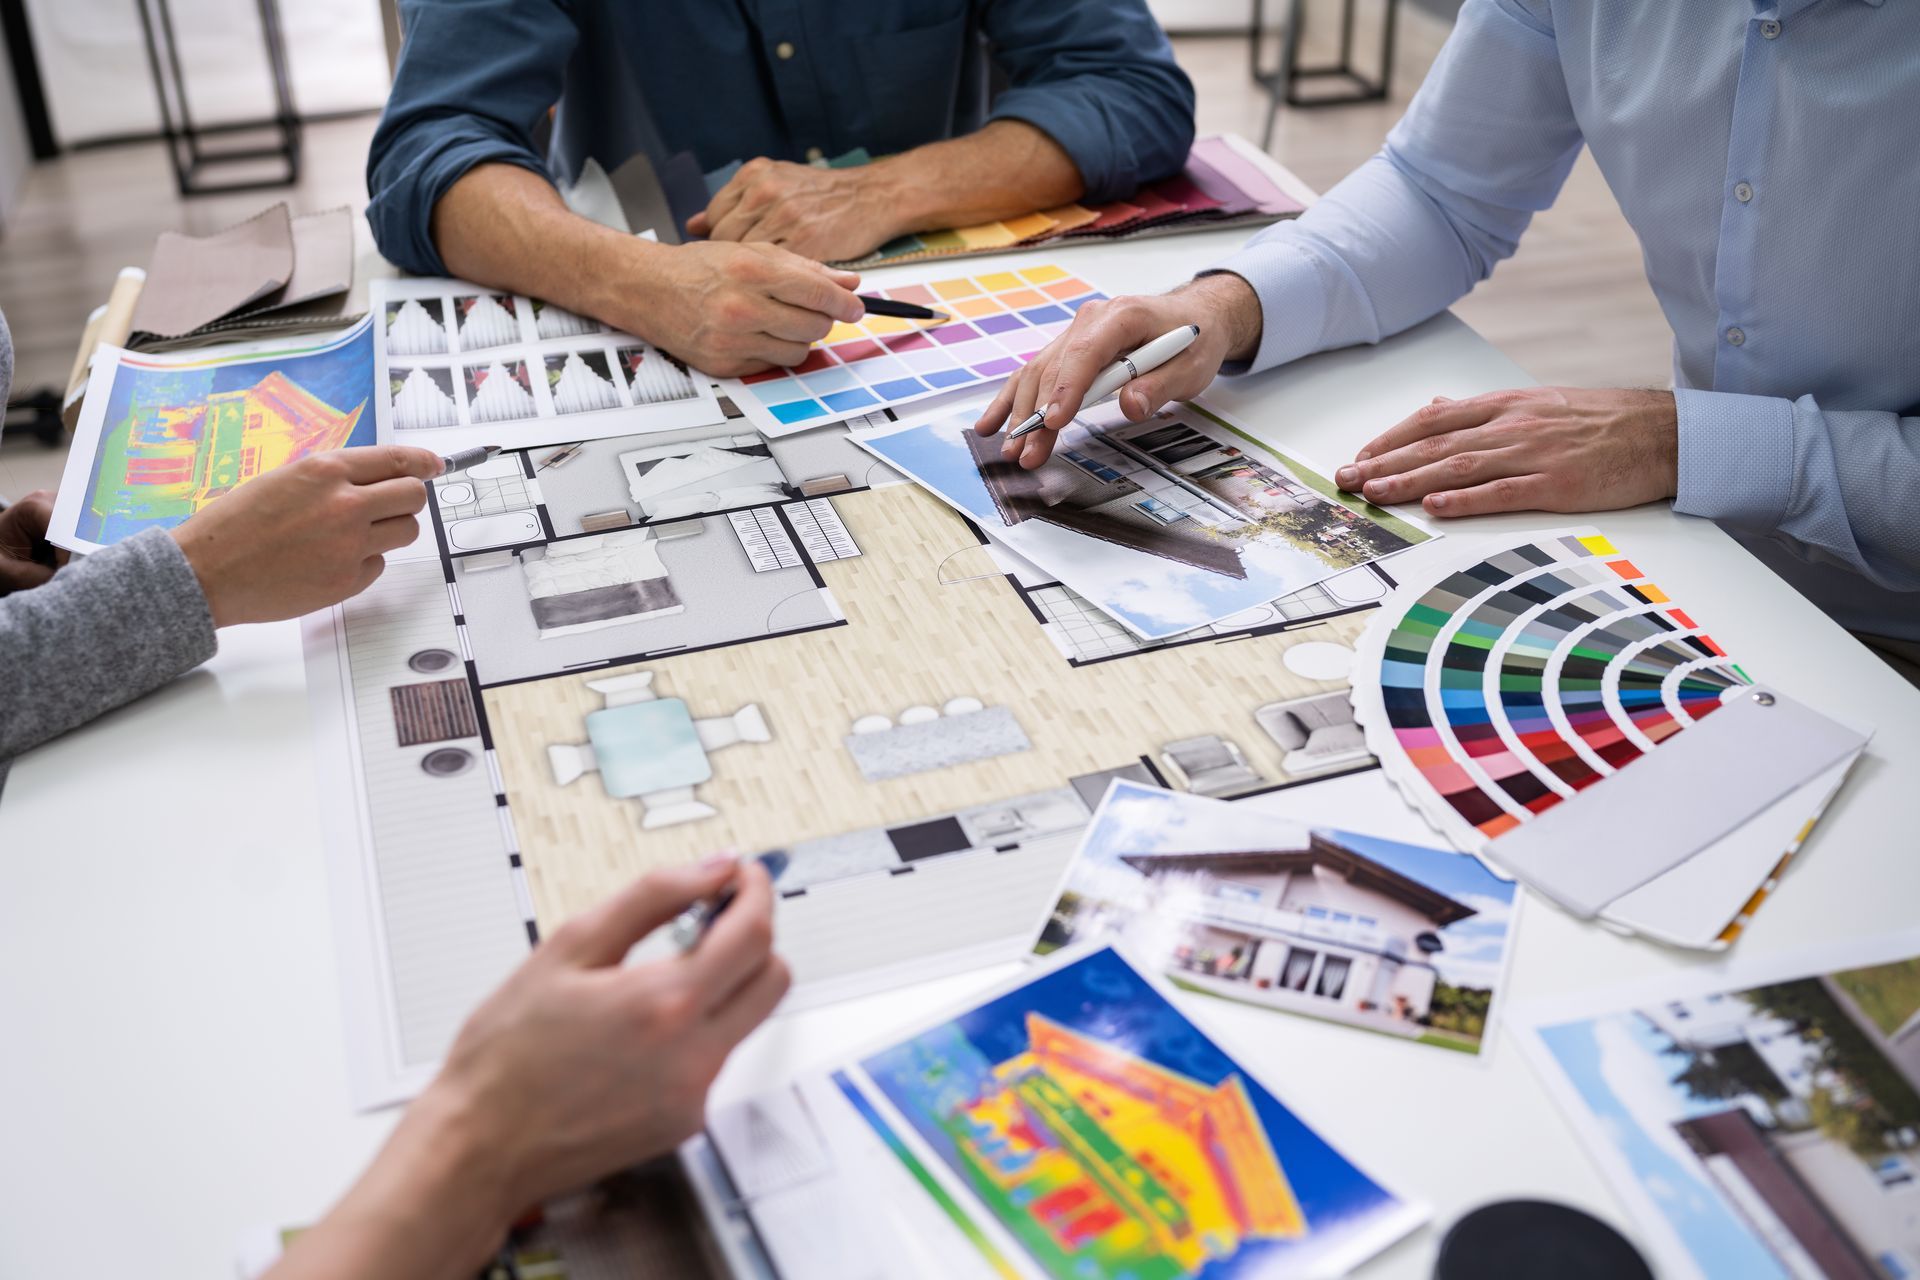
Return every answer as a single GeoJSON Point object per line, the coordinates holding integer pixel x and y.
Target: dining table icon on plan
{"type": "Point", "coordinates": [652, 749]}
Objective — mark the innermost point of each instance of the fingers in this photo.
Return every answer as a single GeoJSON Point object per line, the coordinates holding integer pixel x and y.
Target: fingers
{"type": "Point", "coordinates": [1101, 333]}
{"type": "Point", "coordinates": [1026, 393]}
{"type": "Point", "coordinates": [996, 414]}
{"type": "Point", "coordinates": [848, 280]}
{"type": "Point", "coordinates": [794, 324]}
{"type": "Point", "coordinates": [32, 514]}
{"type": "Point", "coordinates": [604, 935]}
{"type": "Point", "coordinates": [371, 464]}
{"type": "Point", "coordinates": [751, 1003]}
{"type": "Point", "coordinates": [22, 575]}
{"type": "Point", "coordinates": [370, 570]}
{"type": "Point", "coordinates": [1459, 471]}
{"type": "Point", "coordinates": [724, 200]}
{"type": "Point", "coordinates": [1508, 493]}
{"type": "Point", "coordinates": [392, 533]}
{"type": "Point", "coordinates": [739, 941]}
{"type": "Point", "coordinates": [1442, 416]}
{"type": "Point", "coordinates": [1038, 447]}
{"type": "Point", "coordinates": [801, 285]}
{"type": "Point", "coordinates": [402, 496]}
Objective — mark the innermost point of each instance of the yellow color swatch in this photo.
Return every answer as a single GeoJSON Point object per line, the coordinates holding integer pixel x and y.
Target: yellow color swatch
{"type": "Point", "coordinates": [998, 282]}
{"type": "Point", "coordinates": [1042, 275]}
{"type": "Point", "coordinates": [955, 288]}
{"type": "Point", "coordinates": [841, 332]}
{"type": "Point", "coordinates": [880, 326]}
{"type": "Point", "coordinates": [994, 235]}
{"type": "Point", "coordinates": [1598, 545]}
{"type": "Point", "coordinates": [974, 308]}
{"type": "Point", "coordinates": [1033, 224]}
{"type": "Point", "coordinates": [1654, 594]}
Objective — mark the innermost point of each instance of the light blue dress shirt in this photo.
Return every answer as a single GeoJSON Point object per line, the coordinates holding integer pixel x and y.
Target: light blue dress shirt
{"type": "Point", "coordinates": [1768, 157]}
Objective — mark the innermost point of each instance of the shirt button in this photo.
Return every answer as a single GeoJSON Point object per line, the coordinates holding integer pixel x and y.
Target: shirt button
{"type": "Point", "coordinates": [784, 50]}
{"type": "Point", "coordinates": [1737, 337]}
{"type": "Point", "coordinates": [1743, 191]}
{"type": "Point", "coordinates": [1770, 30]}
{"type": "Point", "coordinates": [815, 155]}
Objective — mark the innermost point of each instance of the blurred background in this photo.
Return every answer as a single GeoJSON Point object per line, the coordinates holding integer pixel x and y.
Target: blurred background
{"type": "Point", "coordinates": [86, 182]}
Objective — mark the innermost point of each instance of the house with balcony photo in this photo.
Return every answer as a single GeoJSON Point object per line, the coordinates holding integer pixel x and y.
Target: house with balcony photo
{"type": "Point", "coordinates": [1322, 929]}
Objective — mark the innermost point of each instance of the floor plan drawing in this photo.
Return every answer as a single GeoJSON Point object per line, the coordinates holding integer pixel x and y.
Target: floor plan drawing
{"type": "Point", "coordinates": [682, 642]}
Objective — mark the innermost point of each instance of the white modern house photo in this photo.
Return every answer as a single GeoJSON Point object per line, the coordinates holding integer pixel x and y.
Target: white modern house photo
{"type": "Point", "coordinates": [1321, 929]}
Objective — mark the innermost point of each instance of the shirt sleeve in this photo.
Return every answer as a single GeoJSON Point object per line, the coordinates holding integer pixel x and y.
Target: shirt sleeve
{"type": "Point", "coordinates": [1833, 487]}
{"type": "Point", "coordinates": [474, 80]}
{"type": "Point", "coordinates": [1100, 80]}
{"type": "Point", "coordinates": [1486, 143]}
{"type": "Point", "coordinates": [107, 629]}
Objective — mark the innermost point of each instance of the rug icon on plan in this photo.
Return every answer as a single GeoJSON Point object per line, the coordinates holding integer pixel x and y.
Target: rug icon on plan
{"type": "Point", "coordinates": [487, 320]}
{"type": "Point", "coordinates": [653, 376]}
{"type": "Point", "coordinates": [1001, 320]}
{"type": "Point", "coordinates": [581, 382]}
{"type": "Point", "coordinates": [550, 321]}
{"type": "Point", "coordinates": [422, 397]}
{"type": "Point", "coordinates": [500, 392]}
{"type": "Point", "coordinates": [416, 327]}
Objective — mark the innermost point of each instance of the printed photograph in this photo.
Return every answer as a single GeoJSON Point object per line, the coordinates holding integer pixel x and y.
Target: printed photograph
{"type": "Point", "coordinates": [422, 396]}
{"type": "Point", "coordinates": [180, 431]}
{"type": "Point", "coordinates": [1377, 934]}
{"type": "Point", "coordinates": [1168, 524]}
{"type": "Point", "coordinates": [1114, 1140]}
{"type": "Point", "coordinates": [582, 382]}
{"type": "Point", "coordinates": [487, 320]}
{"type": "Point", "coordinates": [654, 376]}
{"type": "Point", "coordinates": [500, 391]}
{"type": "Point", "coordinates": [550, 321]}
{"type": "Point", "coordinates": [416, 327]}
{"type": "Point", "coordinates": [1775, 1130]}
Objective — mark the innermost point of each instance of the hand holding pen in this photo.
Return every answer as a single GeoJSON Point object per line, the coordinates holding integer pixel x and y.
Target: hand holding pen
{"type": "Point", "coordinates": [1176, 342]}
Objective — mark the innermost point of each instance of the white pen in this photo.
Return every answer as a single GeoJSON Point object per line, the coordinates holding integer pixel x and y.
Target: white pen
{"type": "Point", "coordinates": [1122, 371]}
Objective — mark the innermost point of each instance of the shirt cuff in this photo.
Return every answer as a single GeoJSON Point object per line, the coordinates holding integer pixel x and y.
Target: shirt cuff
{"type": "Point", "coordinates": [1736, 458]}
{"type": "Point", "coordinates": [175, 618]}
{"type": "Point", "coordinates": [1293, 301]}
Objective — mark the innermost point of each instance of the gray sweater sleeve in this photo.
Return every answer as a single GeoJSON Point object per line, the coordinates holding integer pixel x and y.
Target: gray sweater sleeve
{"type": "Point", "coordinates": [107, 629]}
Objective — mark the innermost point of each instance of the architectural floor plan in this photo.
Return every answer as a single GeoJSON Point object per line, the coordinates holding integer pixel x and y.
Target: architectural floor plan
{"type": "Point", "coordinates": [637, 651]}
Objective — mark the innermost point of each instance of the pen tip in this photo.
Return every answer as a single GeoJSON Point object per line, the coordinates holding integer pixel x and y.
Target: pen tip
{"type": "Point", "coordinates": [1195, 328]}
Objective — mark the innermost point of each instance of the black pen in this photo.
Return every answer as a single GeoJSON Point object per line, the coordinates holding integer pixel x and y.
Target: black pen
{"type": "Point", "coordinates": [902, 310]}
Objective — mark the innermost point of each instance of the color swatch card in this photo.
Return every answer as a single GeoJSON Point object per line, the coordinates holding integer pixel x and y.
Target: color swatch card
{"type": "Point", "coordinates": [1001, 320]}
{"type": "Point", "coordinates": [1545, 703]}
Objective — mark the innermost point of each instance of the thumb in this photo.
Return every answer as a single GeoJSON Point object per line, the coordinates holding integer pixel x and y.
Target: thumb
{"type": "Point", "coordinates": [602, 936]}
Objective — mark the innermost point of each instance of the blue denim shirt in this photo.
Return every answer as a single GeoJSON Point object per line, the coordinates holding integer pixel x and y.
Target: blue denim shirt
{"type": "Point", "coordinates": [1763, 151]}
{"type": "Point", "coordinates": [734, 79]}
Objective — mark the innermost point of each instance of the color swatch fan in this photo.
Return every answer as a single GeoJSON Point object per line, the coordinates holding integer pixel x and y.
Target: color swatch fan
{"type": "Point", "coordinates": [1545, 704]}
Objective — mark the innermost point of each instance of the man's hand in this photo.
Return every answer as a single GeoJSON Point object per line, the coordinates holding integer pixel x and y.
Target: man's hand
{"type": "Point", "coordinates": [734, 309]}
{"type": "Point", "coordinates": [1541, 449]}
{"type": "Point", "coordinates": [576, 1067]}
{"type": "Point", "coordinates": [1223, 305]}
{"type": "Point", "coordinates": [307, 535]}
{"type": "Point", "coordinates": [27, 559]}
{"type": "Point", "coordinates": [830, 215]}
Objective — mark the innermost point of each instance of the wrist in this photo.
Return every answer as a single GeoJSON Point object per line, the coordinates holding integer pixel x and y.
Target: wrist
{"type": "Point", "coordinates": [447, 1176]}
{"type": "Point", "coordinates": [1233, 306]}
{"type": "Point", "coordinates": [199, 558]}
{"type": "Point", "coordinates": [902, 195]}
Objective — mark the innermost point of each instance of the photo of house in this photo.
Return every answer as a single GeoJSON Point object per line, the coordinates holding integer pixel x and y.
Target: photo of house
{"type": "Point", "coordinates": [1775, 1129]}
{"type": "Point", "coordinates": [1167, 525]}
{"type": "Point", "coordinates": [1331, 924]}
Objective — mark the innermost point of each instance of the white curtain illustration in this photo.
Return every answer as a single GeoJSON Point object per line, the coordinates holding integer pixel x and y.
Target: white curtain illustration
{"type": "Point", "coordinates": [579, 389]}
{"type": "Point", "coordinates": [423, 402]}
{"type": "Point", "coordinates": [486, 323]}
{"type": "Point", "coordinates": [498, 398]}
{"type": "Point", "coordinates": [412, 331]}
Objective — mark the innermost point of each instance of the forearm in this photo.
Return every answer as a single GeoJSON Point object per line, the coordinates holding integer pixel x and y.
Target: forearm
{"type": "Point", "coordinates": [429, 1206]}
{"type": "Point", "coordinates": [104, 631]}
{"type": "Point", "coordinates": [1006, 169]}
{"type": "Point", "coordinates": [507, 228]}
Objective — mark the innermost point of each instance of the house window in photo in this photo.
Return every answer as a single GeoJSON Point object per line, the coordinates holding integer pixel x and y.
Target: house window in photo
{"type": "Point", "coordinates": [1333, 977]}
{"type": "Point", "coordinates": [1299, 964]}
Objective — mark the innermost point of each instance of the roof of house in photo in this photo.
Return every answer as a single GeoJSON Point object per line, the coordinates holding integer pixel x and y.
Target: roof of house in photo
{"type": "Point", "coordinates": [1356, 868]}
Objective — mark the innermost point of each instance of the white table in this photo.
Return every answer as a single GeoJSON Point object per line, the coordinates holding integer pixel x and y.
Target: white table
{"type": "Point", "coordinates": [173, 1070]}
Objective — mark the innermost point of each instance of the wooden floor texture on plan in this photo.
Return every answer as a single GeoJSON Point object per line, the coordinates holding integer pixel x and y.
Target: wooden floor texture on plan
{"type": "Point", "coordinates": [910, 640]}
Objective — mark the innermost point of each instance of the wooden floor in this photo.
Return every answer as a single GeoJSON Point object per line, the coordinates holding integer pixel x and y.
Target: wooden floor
{"type": "Point", "coordinates": [1572, 307]}
{"type": "Point", "coordinates": [910, 639]}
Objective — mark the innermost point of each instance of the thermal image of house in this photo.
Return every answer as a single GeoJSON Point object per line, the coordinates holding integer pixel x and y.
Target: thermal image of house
{"type": "Point", "coordinates": [1321, 929]}
{"type": "Point", "coordinates": [170, 460]}
{"type": "Point", "coordinates": [1101, 1157]}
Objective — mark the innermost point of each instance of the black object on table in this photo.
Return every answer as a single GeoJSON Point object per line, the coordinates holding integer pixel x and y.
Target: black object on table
{"type": "Point", "coordinates": [1282, 82]}
{"type": "Point", "coordinates": [1536, 1240]}
{"type": "Point", "coordinates": [186, 148]}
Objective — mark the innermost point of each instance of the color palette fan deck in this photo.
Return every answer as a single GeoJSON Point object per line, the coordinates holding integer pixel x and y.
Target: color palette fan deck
{"type": "Point", "coordinates": [1520, 680]}
{"type": "Point", "coordinates": [1001, 320]}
